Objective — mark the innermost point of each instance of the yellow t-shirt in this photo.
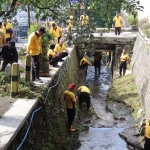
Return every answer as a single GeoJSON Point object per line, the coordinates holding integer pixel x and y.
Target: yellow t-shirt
{"type": "Point", "coordinates": [51, 53]}
{"type": "Point", "coordinates": [2, 39]}
{"type": "Point", "coordinates": [2, 30]}
{"type": "Point", "coordinates": [147, 129]}
{"type": "Point", "coordinates": [83, 61]}
{"type": "Point", "coordinates": [59, 48]}
{"type": "Point", "coordinates": [71, 17]}
{"type": "Point", "coordinates": [84, 19]}
{"type": "Point", "coordinates": [83, 89]}
{"type": "Point", "coordinates": [108, 53]}
{"type": "Point", "coordinates": [70, 99]}
{"type": "Point", "coordinates": [118, 21]}
{"type": "Point", "coordinates": [56, 32]}
{"type": "Point", "coordinates": [8, 26]}
{"type": "Point", "coordinates": [70, 26]}
{"type": "Point", "coordinates": [34, 45]}
{"type": "Point", "coordinates": [124, 57]}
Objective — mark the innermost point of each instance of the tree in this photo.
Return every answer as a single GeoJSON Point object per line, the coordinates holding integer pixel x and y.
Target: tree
{"type": "Point", "coordinates": [57, 7]}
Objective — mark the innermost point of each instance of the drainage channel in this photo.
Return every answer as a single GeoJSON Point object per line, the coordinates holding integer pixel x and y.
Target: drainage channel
{"type": "Point", "coordinates": [103, 131]}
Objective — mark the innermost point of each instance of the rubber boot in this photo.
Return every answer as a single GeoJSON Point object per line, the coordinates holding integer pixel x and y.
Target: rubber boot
{"type": "Point", "coordinates": [71, 129]}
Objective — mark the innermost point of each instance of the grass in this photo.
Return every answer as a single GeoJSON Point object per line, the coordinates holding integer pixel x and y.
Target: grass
{"type": "Point", "coordinates": [123, 90]}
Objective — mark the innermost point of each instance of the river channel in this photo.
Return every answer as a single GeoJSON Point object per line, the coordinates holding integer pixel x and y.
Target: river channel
{"type": "Point", "coordinates": [102, 132]}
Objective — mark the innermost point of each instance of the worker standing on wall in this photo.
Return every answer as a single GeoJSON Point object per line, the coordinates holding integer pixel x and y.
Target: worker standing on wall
{"type": "Point", "coordinates": [7, 27]}
{"type": "Point", "coordinates": [84, 19]}
{"type": "Point", "coordinates": [118, 23]}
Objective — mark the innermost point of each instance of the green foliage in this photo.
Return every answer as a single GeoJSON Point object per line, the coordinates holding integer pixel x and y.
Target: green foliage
{"type": "Point", "coordinates": [4, 78]}
{"type": "Point", "coordinates": [145, 26]}
{"type": "Point", "coordinates": [26, 90]}
{"type": "Point", "coordinates": [123, 90]}
{"type": "Point", "coordinates": [45, 39]}
{"type": "Point", "coordinates": [132, 20]}
{"type": "Point", "coordinates": [22, 54]}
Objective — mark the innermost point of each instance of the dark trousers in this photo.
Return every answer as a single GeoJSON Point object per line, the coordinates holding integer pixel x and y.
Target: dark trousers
{"type": "Point", "coordinates": [55, 60]}
{"type": "Point", "coordinates": [64, 54]}
{"type": "Point", "coordinates": [59, 39]}
{"type": "Point", "coordinates": [84, 97]}
{"type": "Point", "coordinates": [97, 64]}
{"type": "Point", "coordinates": [5, 63]}
{"type": "Point", "coordinates": [147, 144]}
{"type": "Point", "coordinates": [35, 67]}
{"type": "Point", "coordinates": [8, 39]}
{"type": "Point", "coordinates": [117, 30]}
{"type": "Point", "coordinates": [71, 115]}
{"type": "Point", "coordinates": [123, 66]}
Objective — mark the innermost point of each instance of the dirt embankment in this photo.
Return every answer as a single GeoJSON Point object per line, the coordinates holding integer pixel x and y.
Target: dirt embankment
{"type": "Point", "coordinates": [123, 91]}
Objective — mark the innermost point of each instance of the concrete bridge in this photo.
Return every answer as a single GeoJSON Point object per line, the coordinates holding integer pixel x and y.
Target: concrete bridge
{"type": "Point", "coordinates": [104, 41]}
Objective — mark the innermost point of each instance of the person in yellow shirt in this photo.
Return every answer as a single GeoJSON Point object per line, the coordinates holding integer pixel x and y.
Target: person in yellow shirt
{"type": "Point", "coordinates": [51, 22]}
{"type": "Point", "coordinates": [1, 28]}
{"type": "Point", "coordinates": [84, 62]}
{"type": "Point", "coordinates": [53, 57]}
{"type": "Point", "coordinates": [123, 62]}
{"type": "Point", "coordinates": [56, 30]}
{"type": "Point", "coordinates": [70, 100]}
{"type": "Point", "coordinates": [84, 19]}
{"type": "Point", "coordinates": [71, 17]}
{"type": "Point", "coordinates": [34, 49]}
{"type": "Point", "coordinates": [84, 96]}
{"type": "Point", "coordinates": [2, 36]}
{"type": "Point", "coordinates": [147, 135]}
{"type": "Point", "coordinates": [61, 49]}
{"type": "Point", "coordinates": [7, 27]}
{"type": "Point", "coordinates": [70, 26]}
{"type": "Point", "coordinates": [118, 23]}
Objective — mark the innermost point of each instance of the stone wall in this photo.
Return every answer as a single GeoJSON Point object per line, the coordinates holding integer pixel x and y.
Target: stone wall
{"type": "Point", "coordinates": [140, 67]}
{"type": "Point", "coordinates": [49, 127]}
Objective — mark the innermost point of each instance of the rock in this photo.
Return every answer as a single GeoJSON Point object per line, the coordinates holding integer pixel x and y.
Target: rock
{"type": "Point", "coordinates": [132, 138]}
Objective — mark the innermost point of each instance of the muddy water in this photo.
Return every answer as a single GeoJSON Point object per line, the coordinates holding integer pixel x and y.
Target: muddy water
{"type": "Point", "coordinates": [102, 133]}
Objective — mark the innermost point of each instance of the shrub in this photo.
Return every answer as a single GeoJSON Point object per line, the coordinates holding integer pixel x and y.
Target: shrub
{"type": "Point", "coordinates": [148, 33]}
{"type": "Point", "coordinates": [4, 78]}
{"type": "Point", "coordinates": [145, 26]}
{"type": "Point", "coordinates": [143, 23]}
{"type": "Point", "coordinates": [132, 20]}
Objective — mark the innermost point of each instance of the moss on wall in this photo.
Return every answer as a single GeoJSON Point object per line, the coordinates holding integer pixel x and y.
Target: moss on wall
{"type": "Point", "coordinates": [49, 127]}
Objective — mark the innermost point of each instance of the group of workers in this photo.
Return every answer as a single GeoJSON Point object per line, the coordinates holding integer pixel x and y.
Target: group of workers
{"type": "Point", "coordinates": [8, 51]}
{"type": "Point", "coordinates": [55, 54]}
{"type": "Point", "coordinates": [70, 100]}
{"type": "Point", "coordinates": [124, 58]}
